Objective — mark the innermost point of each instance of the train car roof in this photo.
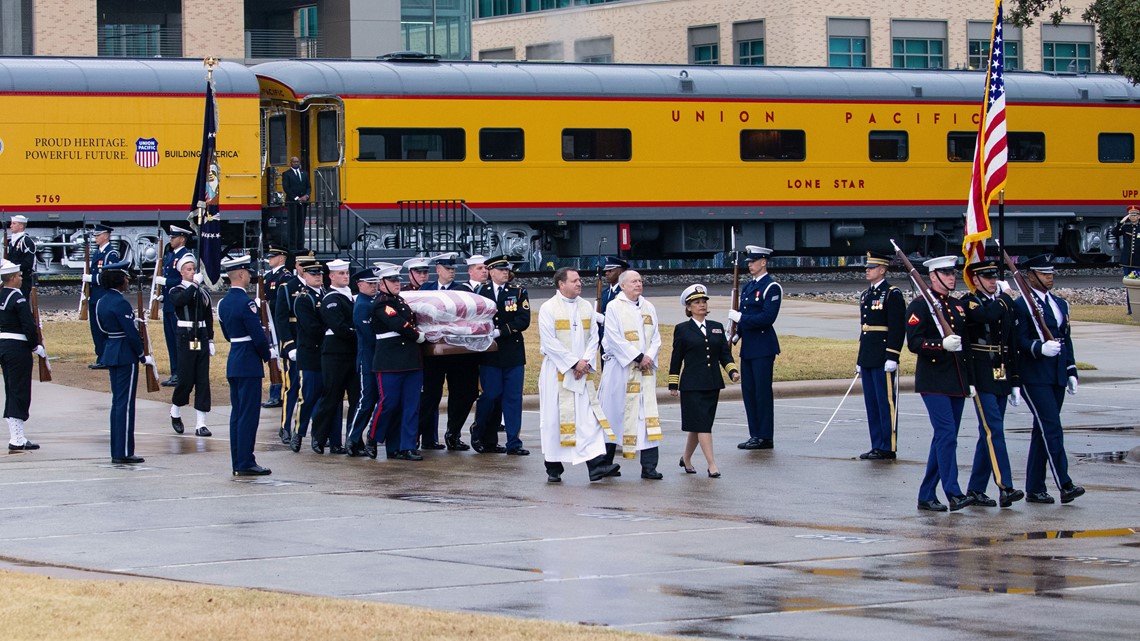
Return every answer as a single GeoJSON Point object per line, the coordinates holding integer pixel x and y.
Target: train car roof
{"type": "Point", "coordinates": [121, 76]}
{"type": "Point", "coordinates": [506, 78]}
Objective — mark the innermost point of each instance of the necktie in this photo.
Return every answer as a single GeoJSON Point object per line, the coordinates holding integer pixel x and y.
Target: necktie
{"type": "Point", "coordinates": [702, 326]}
{"type": "Point", "coordinates": [298, 172]}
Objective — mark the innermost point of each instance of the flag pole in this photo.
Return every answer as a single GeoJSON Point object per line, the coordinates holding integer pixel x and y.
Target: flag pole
{"type": "Point", "coordinates": [1001, 231]}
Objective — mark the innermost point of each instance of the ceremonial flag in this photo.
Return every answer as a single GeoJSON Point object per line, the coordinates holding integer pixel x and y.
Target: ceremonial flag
{"type": "Point", "coordinates": [990, 152]}
{"type": "Point", "coordinates": [204, 208]}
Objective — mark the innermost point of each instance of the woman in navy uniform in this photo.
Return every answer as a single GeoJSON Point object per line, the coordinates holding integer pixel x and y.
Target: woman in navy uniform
{"type": "Point", "coordinates": [398, 365]}
{"type": "Point", "coordinates": [169, 280]}
{"type": "Point", "coordinates": [700, 350]}
{"type": "Point", "coordinates": [19, 339]}
{"type": "Point", "coordinates": [942, 377]}
{"type": "Point", "coordinates": [122, 353]}
{"type": "Point", "coordinates": [882, 311]}
{"type": "Point", "coordinates": [104, 255]}
{"type": "Point", "coordinates": [249, 349]}
{"type": "Point", "coordinates": [1048, 369]}
{"type": "Point", "coordinates": [759, 306]}
{"type": "Point", "coordinates": [501, 371]}
{"type": "Point", "coordinates": [194, 316]}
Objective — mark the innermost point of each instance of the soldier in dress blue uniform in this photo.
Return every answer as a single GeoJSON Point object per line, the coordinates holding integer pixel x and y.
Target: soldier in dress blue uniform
{"type": "Point", "coordinates": [170, 279]}
{"type": "Point", "coordinates": [398, 366]}
{"type": "Point", "coordinates": [942, 377]}
{"type": "Point", "coordinates": [459, 371]}
{"type": "Point", "coordinates": [1048, 368]}
{"type": "Point", "coordinates": [310, 334]}
{"type": "Point", "coordinates": [122, 353]}
{"type": "Point", "coordinates": [501, 372]}
{"type": "Point", "coordinates": [759, 306]}
{"type": "Point", "coordinates": [19, 339]}
{"type": "Point", "coordinates": [338, 361]}
{"type": "Point", "coordinates": [993, 348]}
{"type": "Point", "coordinates": [249, 349]}
{"type": "Point", "coordinates": [882, 312]}
{"type": "Point", "coordinates": [21, 251]}
{"type": "Point", "coordinates": [1127, 231]}
{"type": "Point", "coordinates": [105, 254]}
{"type": "Point", "coordinates": [193, 312]}
{"type": "Point", "coordinates": [285, 321]}
{"type": "Point", "coordinates": [367, 281]}
{"type": "Point", "coordinates": [278, 273]}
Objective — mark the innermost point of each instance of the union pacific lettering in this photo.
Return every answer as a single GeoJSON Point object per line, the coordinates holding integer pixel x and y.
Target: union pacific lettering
{"type": "Point", "coordinates": [868, 117]}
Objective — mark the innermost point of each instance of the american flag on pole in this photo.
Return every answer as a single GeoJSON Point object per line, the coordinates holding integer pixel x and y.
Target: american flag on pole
{"type": "Point", "coordinates": [205, 212]}
{"type": "Point", "coordinates": [990, 152]}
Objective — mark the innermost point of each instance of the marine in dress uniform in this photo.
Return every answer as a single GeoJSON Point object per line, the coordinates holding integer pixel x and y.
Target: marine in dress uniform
{"type": "Point", "coordinates": [460, 372]}
{"type": "Point", "coordinates": [338, 361]}
{"type": "Point", "coordinates": [249, 349]}
{"type": "Point", "coordinates": [122, 354]}
{"type": "Point", "coordinates": [21, 251]}
{"type": "Point", "coordinates": [700, 350]}
{"type": "Point", "coordinates": [194, 314]}
{"type": "Point", "coordinates": [285, 321]}
{"type": "Point", "coordinates": [310, 335]}
{"type": "Point", "coordinates": [366, 282]}
{"type": "Point", "coordinates": [18, 341]}
{"type": "Point", "coordinates": [759, 306]}
{"type": "Point", "coordinates": [1126, 231]}
{"type": "Point", "coordinates": [171, 278]}
{"type": "Point", "coordinates": [418, 270]}
{"type": "Point", "coordinates": [501, 372]}
{"type": "Point", "coordinates": [882, 314]}
{"type": "Point", "coordinates": [993, 347]}
{"type": "Point", "coordinates": [398, 367]}
{"type": "Point", "coordinates": [1048, 368]}
{"type": "Point", "coordinates": [277, 273]}
{"type": "Point", "coordinates": [105, 254]}
{"type": "Point", "coordinates": [942, 377]}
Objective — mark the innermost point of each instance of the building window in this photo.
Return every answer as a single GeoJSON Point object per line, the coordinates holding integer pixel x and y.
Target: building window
{"type": "Point", "coordinates": [408, 143]}
{"type": "Point", "coordinates": [1026, 146]}
{"type": "Point", "coordinates": [598, 50]}
{"type": "Point", "coordinates": [506, 53]}
{"type": "Point", "coordinates": [960, 146]}
{"type": "Point", "coordinates": [490, 8]}
{"type": "Point", "coordinates": [749, 39]}
{"type": "Point", "coordinates": [918, 44]}
{"type": "Point", "coordinates": [704, 45]}
{"type": "Point", "coordinates": [597, 144]}
{"type": "Point", "coordinates": [278, 143]}
{"type": "Point", "coordinates": [126, 30]}
{"type": "Point", "coordinates": [978, 47]}
{"type": "Point", "coordinates": [1067, 48]}
{"type": "Point", "coordinates": [1116, 148]}
{"type": "Point", "coordinates": [550, 51]}
{"type": "Point", "coordinates": [848, 41]}
{"type": "Point", "coordinates": [16, 28]}
{"type": "Point", "coordinates": [888, 146]}
{"type": "Point", "coordinates": [328, 137]}
{"type": "Point", "coordinates": [773, 144]}
{"type": "Point", "coordinates": [501, 144]}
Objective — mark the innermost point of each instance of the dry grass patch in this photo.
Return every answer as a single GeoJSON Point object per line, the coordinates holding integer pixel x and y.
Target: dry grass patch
{"type": "Point", "coordinates": [1114, 314]}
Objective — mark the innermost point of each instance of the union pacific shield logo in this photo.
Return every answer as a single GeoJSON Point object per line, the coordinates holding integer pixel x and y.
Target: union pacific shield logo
{"type": "Point", "coordinates": [146, 152]}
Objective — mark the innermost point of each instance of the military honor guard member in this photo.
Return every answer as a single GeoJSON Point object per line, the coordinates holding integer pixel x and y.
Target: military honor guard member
{"type": "Point", "coordinates": [338, 361]}
{"type": "Point", "coordinates": [990, 321]}
{"type": "Point", "coordinates": [19, 340]}
{"type": "Point", "coordinates": [460, 371]}
{"type": "Point", "coordinates": [759, 306]}
{"type": "Point", "coordinates": [700, 350]}
{"type": "Point", "coordinates": [571, 423]}
{"type": "Point", "coordinates": [277, 257]}
{"type": "Point", "coordinates": [476, 277]}
{"type": "Point", "coordinates": [249, 350]}
{"type": "Point", "coordinates": [501, 371]}
{"type": "Point", "coordinates": [941, 376]}
{"type": "Point", "coordinates": [882, 313]}
{"type": "Point", "coordinates": [194, 314]}
{"type": "Point", "coordinates": [310, 335]}
{"type": "Point", "coordinates": [171, 277]}
{"type": "Point", "coordinates": [612, 270]}
{"type": "Point", "coordinates": [628, 388]}
{"type": "Point", "coordinates": [21, 251]}
{"type": "Point", "coordinates": [418, 270]}
{"type": "Point", "coordinates": [104, 255]}
{"type": "Point", "coordinates": [1048, 368]}
{"type": "Point", "coordinates": [367, 280]}
{"type": "Point", "coordinates": [398, 367]}
{"type": "Point", "coordinates": [285, 320]}
{"type": "Point", "coordinates": [122, 354]}
{"type": "Point", "coordinates": [1126, 232]}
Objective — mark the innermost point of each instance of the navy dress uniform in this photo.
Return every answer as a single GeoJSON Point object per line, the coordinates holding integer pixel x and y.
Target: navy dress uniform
{"type": "Point", "coordinates": [365, 353]}
{"type": "Point", "coordinates": [1048, 369]}
{"type": "Point", "coordinates": [700, 350]}
{"type": "Point", "coordinates": [122, 354]}
{"type": "Point", "coordinates": [285, 321]}
{"type": "Point", "coordinates": [193, 317]}
{"type": "Point", "coordinates": [398, 367]}
{"type": "Point", "coordinates": [501, 371]}
{"type": "Point", "coordinates": [1126, 232]}
{"type": "Point", "coordinates": [171, 279]}
{"type": "Point", "coordinates": [273, 277]}
{"type": "Point", "coordinates": [104, 255]}
{"type": "Point", "coordinates": [310, 335]}
{"type": "Point", "coordinates": [942, 377]}
{"type": "Point", "coordinates": [990, 321]}
{"type": "Point", "coordinates": [882, 317]}
{"type": "Point", "coordinates": [760, 301]}
{"type": "Point", "coordinates": [249, 349]}
{"type": "Point", "coordinates": [18, 341]}
{"type": "Point", "coordinates": [611, 271]}
{"type": "Point", "coordinates": [338, 364]}
{"type": "Point", "coordinates": [21, 251]}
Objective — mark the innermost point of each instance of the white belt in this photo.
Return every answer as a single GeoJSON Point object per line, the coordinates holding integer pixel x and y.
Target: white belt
{"type": "Point", "coordinates": [241, 339]}
{"type": "Point", "coordinates": [328, 332]}
{"type": "Point", "coordinates": [183, 323]}
{"type": "Point", "coordinates": [17, 337]}
{"type": "Point", "coordinates": [387, 335]}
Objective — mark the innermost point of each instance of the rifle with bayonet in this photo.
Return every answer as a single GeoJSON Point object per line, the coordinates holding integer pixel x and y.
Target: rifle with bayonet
{"type": "Point", "coordinates": [267, 325]}
{"type": "Point", "coordinates": [932, 302]}
{"type": "Point", "coordinates": [1030, 300]}
{"type": "Point", "coordinates": [152, 384]}
{"type": "Point", "coordinates": [155, 288]}
{"type": "Point", "coordinates": [85, 290]}
{"type": "Point", "coordinates": [734, 299]}
{"type": "Point", "coordinates": [45, 366]}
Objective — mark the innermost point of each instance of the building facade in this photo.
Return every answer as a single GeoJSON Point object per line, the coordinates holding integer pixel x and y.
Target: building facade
{"type": "Point", "coordinates": [915, 34]}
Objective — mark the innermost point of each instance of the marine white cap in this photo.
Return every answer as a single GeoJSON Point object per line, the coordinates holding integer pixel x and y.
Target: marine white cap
{"type": "Point", "coordinates": [386, 270]}
{"type": "Point", "coordinates": [416, 263]}
{"type": "Point", "coordinates": [942, 262]}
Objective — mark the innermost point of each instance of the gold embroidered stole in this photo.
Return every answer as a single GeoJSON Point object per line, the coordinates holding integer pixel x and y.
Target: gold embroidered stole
{"type": "Point", "coordinates": [637, 327]}
{"type": "Point", "coordinates": [567, 423]}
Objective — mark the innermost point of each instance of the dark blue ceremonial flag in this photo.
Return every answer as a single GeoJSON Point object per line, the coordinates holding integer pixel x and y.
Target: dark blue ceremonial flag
{"type": "Point", "coordinates": [204, 207]}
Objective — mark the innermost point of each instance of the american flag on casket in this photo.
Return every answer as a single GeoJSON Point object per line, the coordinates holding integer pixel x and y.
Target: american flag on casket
{"type": "Point", "coordinates": [454, 317]}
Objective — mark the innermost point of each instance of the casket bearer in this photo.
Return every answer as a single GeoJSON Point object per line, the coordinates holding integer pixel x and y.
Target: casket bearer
{"type": "Point", "coordinates": [398, 366]}
{"type": "Point", "coordinates": [501, 371]}
{"type": "Point", "coordinates": [461, 371]}
{"type": "Point", "coordinates": [367, 280]}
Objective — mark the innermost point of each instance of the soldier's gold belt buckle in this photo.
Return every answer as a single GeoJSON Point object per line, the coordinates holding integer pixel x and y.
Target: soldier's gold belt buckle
{"type": "Point", "coordinates": [999, 373]}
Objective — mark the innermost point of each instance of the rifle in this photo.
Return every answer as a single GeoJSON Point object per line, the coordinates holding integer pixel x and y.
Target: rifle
{"type": "Point", "coordinates": [45, 366]}
{"type": "Point", "coordinates": [85, 292]}
{"type": "Point", "coordinates": [931, 302]}
{"type": "Point", "coordinates": [601, 275]}
{"type": "Point", "coordinates": [154, 289]}
{"type": "Point", "coordinates": [270, 333]}
{"type": "Point", "coordinates": [1030, 300]}
{"type": "Point", "coordinates": [152, 384]}
{"type": "Point", "coordinates": [734, 302]}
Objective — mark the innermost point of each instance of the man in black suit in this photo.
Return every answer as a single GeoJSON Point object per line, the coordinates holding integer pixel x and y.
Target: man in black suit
{"type": "Point", "coordinates": [501, 372]}
{"type": "Point", "coordinates": [295, 184]}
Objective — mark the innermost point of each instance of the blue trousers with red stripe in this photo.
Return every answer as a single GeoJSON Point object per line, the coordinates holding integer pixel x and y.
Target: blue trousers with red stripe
{"type": "Point", "coordinates": [397, 409]}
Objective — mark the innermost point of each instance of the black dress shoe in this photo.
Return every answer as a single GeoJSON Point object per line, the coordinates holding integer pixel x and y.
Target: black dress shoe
{"type": "Point", "coordinates": [354, 449]}
{"type": "Point", "coordinates": [1007, 497]}
{"type": "Point", "coordinates": [877, 455]}
{"type": "Point", "coordinates": [433, 446]}
{"type": "Point", "coordinates": [337, 449]}
{"type": "Point", "coordinates": [409, 455]}
{"type": "Point", "coordinates": [647, 473]}
{"type": "Point", "coordinates": [981, 500]}
{"type": "Point", "coordinates": [273, 402]}
{"type": "Point", "coordinates": [128, 460]}
{"type": "Point", "coordinates": [491, 449]}
{"type": "Point", "coordinates": [96, 366]}
{"type": "Point", "coordinates": [960, 501]}
{"type": "Point", "coordinates": [750, 444]}
{"type": "Point", "coordinates": [177, 424]}
{"type": "Point", "coordinates": [688, 470]}
{"type": "Point", "coordinates": [871, 455]}
{"type": "Point", "coordinates": [888, 455]}
{"type": "Point", "coordinates": [256, 470]}
{"type": "Point", "coordinates": [1070, 492]}
{"type": "Point", "coordinates": [203, 431]}
{"type": "Point", "coordinates": [714, 475]}
{"type": "Point", "coordinates": [602, 471]}
{"type": "Point", "coordinates": [317, 447]}
{"type": "Point", "coordinates": [933, 505]}
{"type": "Point", "coordinates": [1038, 497]}
{"type": "Point", "coordinates": [551, 477]}
{"type": "Point", "coordinates": [455, 445]}
{"type": "Point", "coordinates": [295, 442]}
{"type": "Point", "coordinates": [28, 445]}
{"type": "Point", "coordinates": [285, 435]}
{"type": "Point", "coordinates": [518, 451]}
{"type": "Point", "coordinates": [170, 382]}
{"type": "Point", "coordinates": [370, 450]}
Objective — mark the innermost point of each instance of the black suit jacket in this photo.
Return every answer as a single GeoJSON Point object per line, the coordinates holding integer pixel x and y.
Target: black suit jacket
{"type": "Point", "coordinates": [293, 186]}
{"type": "Point", "coordinates": [697, 359]}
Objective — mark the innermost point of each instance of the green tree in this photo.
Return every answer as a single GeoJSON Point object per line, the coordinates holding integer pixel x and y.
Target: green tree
{"type": "Point", "coordinates": [1117, 23]}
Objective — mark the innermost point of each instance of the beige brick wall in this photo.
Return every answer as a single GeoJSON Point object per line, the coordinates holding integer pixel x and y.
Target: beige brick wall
{"type": "Point", "coordinates": [213, 28]}
{"type": "Point", "coordinates": [64, 28]}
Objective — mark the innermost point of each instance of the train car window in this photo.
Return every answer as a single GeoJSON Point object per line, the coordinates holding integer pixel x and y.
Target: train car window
{"type": "Point", "coordinates": [960, 146]}
{"type": "Point", "coordinates": [328, 149]}
{"type": "Point", "coordinates": [278, 149]}
{"type": "Point", "coordinates": [1026, 146]}
{"type": "Point", "coordinates": [888, 146]}
{"type": "Point", "coordinates": [408, 143]}
{"type": "Point", "coordinates": [501, 144]}
{"type": "Point", "coordinates": [1116, 148]}
{"type": "Point", "coordinates": [597, 144]}
{"type": "Point", "coordinates": [773, 144]}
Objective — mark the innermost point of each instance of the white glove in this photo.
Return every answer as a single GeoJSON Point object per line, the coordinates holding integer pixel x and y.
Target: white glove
{"type": "Point", "coordinates": [891, 366]}
{"type": "Point", "coordinates": [39, 351]}
{"type": "Point", "coordinates": [161, 281]}
{"type": "Point", "coordinates": [212, 349]}
{"type": "Point", "coordinates": [198, 278]}
{"type": "Point", "coordinates": [496, 333]}
{"type": "Point", "coordinates": [273, 355]}
{"type": "Point", "coordinates": [1003, 286]}
{"type": "Point", "coordinates": [734, 315]}
{"type": "Point", "coordinates": [600, 319]}
{"type": "Point", "coordinates": [160, 298]}
{"type": "Point", "coordinates": [293, 355]}
{"type": "Point", "coordinates": [148, 360]}
{"type": "Point", "coordinates": [421, 337]}
{"type": "Point", "coordinates": [972, 392]}
{"type": "Point", "coordinates": [1072, 389]}
{"type": "Point", "coordinates": [1015, 397]}
{"type": "Point", "coordinates": [858, 370]}
{"type": "Point", "coordinates": [952, 343]}
{"type": "Point", "coordinates": [89, 278]}
{"type": "Point", "coordinates": [1050, 348]}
